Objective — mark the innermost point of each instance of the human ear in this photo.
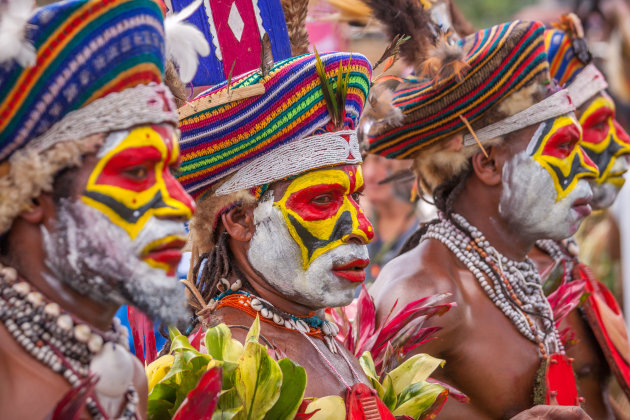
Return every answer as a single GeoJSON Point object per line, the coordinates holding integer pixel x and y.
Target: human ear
{"type": "Point", "coordinates": [40, 210]}
{"type": "Point", "coordinates": [239, 223]}
{"type": "Point", "coordinates": [488, 168]}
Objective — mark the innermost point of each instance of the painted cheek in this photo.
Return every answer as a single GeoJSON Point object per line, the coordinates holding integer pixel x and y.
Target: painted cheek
{"type": "Point", "coordinates": [622, 135]}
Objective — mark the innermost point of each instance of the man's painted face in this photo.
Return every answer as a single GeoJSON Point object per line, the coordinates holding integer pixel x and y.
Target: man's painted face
{"type": "Point", "coordinates": [558, 151]}
{"type": "Point", "coordinates": [133, 186]}
{"type": "Point", "coordinates": [608, 145]}
{"type": "Point", "coordinates": [310, 243]}
{"type": "Point", "coordinates": [546, 193]}
{"type": "Point", "coordinates": [322, 211]}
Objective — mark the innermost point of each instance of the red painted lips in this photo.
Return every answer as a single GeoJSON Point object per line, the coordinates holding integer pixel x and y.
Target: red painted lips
{"type": "Point", "coordinates": [168, 253]}
{"type": "Point", "coordinates": [353, 271]}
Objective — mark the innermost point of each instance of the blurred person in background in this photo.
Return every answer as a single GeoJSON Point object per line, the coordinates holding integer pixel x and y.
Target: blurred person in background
{"type": "Point", "coordinates": [391, 208]}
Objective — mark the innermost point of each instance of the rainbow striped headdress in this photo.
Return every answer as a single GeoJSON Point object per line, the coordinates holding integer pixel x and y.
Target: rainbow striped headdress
{"type": "Point", "coordinates": [81, 68]}
{"type": "Point", "coordinates": [501, 61]}
{"type": "Point", "coordinates": [570, 65]}
{"type": "Point", "coordinates": [282, 131]}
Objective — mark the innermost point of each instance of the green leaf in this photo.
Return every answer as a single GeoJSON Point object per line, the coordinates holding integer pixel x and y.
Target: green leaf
{"type": "Point", "coordinates": [162, 391]}
{"type": "Point", "coordinates": [159, 410]}
{"type": "Point", "coordinates": [220, 344]}
{"type": "Point", "coordinates": [291, 392]}
{"type": "Point", "coordinates": [257, 381]}
{"type": "Point", "coordinates": [367, 364]}
{"type": "Point", "coordinates": [228, 414]}
{"type": "Point", "coordinates": [173, 332]}
{"type": "Point", "coordinates": [229, 400]}
{"type": "Point", "coordinates": [390, 398]}
{"type": "Point", "coordinates": [181, 342]}
{"type": "Point", "coordinates": [417, 398]}
{"type": "Point", "coordinates": [254, 332]}
{"type": "Point", "coordinates": [415, 369]}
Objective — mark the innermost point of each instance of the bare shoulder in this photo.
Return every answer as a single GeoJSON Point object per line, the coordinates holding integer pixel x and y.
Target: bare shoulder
{"type": "Point", "coordinates": [426, 270]}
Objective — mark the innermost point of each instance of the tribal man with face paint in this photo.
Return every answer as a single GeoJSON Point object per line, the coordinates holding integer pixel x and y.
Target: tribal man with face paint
{"type": "Point", "coordinates": [91, 216]}
{"type": "Point", "coordinates": [497, 146]}
{"type": "Point", "coordinates": [600, 336]}
{"type": "Point", "coordinates": [278, 231]}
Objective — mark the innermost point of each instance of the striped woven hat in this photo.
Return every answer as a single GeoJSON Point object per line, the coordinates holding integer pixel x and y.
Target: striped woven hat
{"type": "Point", "coordinates": [281, 132]}
{"type": "Point", "coordinates": [501, 61]}
{"type": "Point", "coordinates": [89, 55]}
{"type": "Point", "coordinates": [570, 61]}
{"type": "Point", "coordinates": [72, 71]}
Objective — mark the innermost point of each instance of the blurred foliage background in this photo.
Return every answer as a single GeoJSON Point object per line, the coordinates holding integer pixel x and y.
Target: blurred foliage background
{"type": "Point", "coordinates": [484, 13]}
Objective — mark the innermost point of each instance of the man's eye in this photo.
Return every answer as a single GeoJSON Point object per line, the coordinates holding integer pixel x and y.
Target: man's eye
{"type": "Point", "coordinates": [138, 172]}
{"type": "Point", "coordinates": [322, 200]}
{"type": "Point", "coordinates": [357, 196]}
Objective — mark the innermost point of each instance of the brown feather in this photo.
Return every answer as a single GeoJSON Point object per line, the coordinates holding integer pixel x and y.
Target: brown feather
{"type": "Point", "coordinates": [266, 57]}
{"type": "Point", "coordinates": [446, 60]}
{"type": "Point", "coordinates": [295, 15]}
{"type": "Point", "coordinates": [406, 17]}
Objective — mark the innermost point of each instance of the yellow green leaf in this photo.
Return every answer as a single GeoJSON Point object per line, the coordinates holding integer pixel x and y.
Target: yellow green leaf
{"type": "Point", "coordinates": [330, 408]}
{"type": "Point", "coordinates": [415, 369]}
{"type": "Point", "coordinates": [367, 364]}
{"type": "Point", "coordinates": [158, 369]}
{"type": "Point", "coordinates": [220, 344]}
{"type": "Point", "coordinates": [254, 332]}
{"type": "Point", "coordinates": [417, 398]}
{"type": "Point", "coordinates": [291, 392]}
{"type": "Point", "coordinates": [258, 379]}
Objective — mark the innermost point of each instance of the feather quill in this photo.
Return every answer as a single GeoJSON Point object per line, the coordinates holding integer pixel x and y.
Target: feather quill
{"type": "Point", "coordinates": [184, 42]}
{"type": "Point", "coordinates": [14, 15]}
{"type": "Point", "coordinates": [295, 16]}
{"type": "Point", "coordinates": [409, 18]}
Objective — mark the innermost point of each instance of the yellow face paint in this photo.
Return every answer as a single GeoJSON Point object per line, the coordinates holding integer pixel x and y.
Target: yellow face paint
{"type": "Point", "coordinates": [132, 181]}
{"type": "Point", "coordinates": [557, 150]}
{"type": "Point", "coordinates": [604, 140]}
{"type": "Point", "coordinates": [322, 212]}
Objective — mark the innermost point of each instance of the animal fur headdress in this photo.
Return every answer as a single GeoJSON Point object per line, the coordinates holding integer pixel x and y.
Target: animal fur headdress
{"type": "Point", "coordinates": [464, 95]}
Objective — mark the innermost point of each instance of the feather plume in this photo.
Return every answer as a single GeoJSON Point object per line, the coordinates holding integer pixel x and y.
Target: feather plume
{"type": "Point", "coordinates": [409, 18]}
{"type": "Point", "coordinates": [266, 57]}
{"type": "Point", "coordinates": [444, 61]}
{"type": "Point", "coordinates": [295, 17]}
{"type": "Point", "coordinates": [184, 42]}
{"type": "Point", "coordinates": [14, 15]}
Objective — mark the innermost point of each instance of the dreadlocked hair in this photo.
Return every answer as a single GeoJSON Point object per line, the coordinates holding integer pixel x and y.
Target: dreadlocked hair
{"type": "Point", "coordinates": [444, 197]}
{"type": "Point", "coordinates": [214, 266]}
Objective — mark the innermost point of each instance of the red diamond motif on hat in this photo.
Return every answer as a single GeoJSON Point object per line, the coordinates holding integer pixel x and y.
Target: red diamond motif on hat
{"type": "Point", "coordinates": [238, 34]}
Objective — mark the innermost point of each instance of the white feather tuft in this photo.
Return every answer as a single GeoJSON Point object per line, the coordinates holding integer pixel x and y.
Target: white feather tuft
{"type": "Point", "coordinates": [14, 16]}
{"type": "Point", "coordinates": [184, 42]}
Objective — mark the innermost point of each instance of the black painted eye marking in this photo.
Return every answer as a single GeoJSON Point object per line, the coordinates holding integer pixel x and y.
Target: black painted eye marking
{"type": "Point", "coordinates": [128, 215]}
{"type": "Point", "coordinates": [342, 228]}
{"type": "Point", "coordinates": [602, 160]}
{"type": "Point", "coordinates": [576, 169]}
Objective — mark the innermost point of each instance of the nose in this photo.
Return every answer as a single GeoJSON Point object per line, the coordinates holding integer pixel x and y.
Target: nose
{"type": "Point", "coordinates": [185, 205]}
{"type": "Point", "coordinates": [589, 168]}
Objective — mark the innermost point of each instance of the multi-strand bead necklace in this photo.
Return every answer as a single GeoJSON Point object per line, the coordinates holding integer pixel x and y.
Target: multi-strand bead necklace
{"type": "Point", "coordinates": [513, 286]}
{"type": "Point", "coordinates": [57, 339]}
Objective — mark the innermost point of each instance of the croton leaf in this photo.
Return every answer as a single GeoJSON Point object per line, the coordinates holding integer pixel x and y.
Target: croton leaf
{"type": "Point", "coordinates": [202, 399]}
{"type": "Point", "coordinates": [327, 408]}
{"type": "Point", "coordinates": [415, 369]}
{"type": "Point", "coordinates": [258, 379]}
{"type": "Point", "coordinates": [291, 391]}
{"type": "Point", "coordinates": [220, 344]}
{"type": "Point", "coordinates": [419, 398]}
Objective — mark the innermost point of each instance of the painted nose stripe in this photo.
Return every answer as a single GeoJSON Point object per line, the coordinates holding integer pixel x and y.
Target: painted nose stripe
{"type": "Point", "coordinates": [343, 227]}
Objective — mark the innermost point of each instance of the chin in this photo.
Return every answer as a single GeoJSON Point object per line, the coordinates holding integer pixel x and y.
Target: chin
{"type": "Point", "coordinates": [604, 195]}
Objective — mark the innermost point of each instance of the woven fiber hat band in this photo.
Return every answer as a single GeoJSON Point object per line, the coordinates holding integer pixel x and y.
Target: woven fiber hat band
{"type": "Point", "coordinates": [85, 51]}
{"type": "Point", "coordinates": [501, 61]}
{"type": "Point", "coordinates": [220, 141]}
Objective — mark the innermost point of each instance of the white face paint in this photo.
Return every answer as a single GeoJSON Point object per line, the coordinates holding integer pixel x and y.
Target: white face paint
{"type": "Point", "coordinates": [529, 198]}
{"type": "Point", "coordinates": [98, 259]}
{"type": "Point", "coordinates": [274, 253]}
{"type": "Point", "coordinates": [605, 194]}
